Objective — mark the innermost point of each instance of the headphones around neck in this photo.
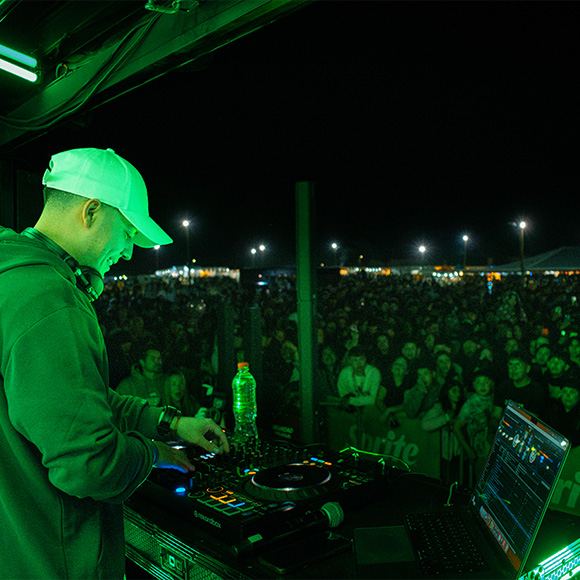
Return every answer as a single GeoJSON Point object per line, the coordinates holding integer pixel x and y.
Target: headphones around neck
{"type": "Point", "coordinates": [87, 279]}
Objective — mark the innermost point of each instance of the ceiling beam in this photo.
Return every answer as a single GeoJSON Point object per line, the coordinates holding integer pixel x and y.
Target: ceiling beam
{"type": "Point", "coordinates": [164, 40]}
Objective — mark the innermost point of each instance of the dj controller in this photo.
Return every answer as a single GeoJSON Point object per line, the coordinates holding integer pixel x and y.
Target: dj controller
{"type": "Point", "coordinates": [266, 487]}
{"type": "Point", "coordinates": [239, 514]}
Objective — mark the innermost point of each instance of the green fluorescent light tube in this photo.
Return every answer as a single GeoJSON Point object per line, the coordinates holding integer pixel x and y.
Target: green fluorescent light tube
{"type": "Point", "coordinates": [18, 71]}
{"type": "Point", "coordinates": [18, 56]}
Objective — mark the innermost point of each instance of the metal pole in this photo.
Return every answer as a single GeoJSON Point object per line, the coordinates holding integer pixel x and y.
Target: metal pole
{"type": "Point", "coordinates": [226, 356]}
{"type": "Point", "coordinates": [522, 249]}
{"type": "Point", "coordinates": [306, 295]}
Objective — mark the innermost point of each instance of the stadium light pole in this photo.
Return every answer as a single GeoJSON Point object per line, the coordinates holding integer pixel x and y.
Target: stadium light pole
{"type": "Point", "coordinates": [186, 224]}
{"type": "Point", "coordinates": [522, 226]}
{"type": "Point", "coordinates": [334, 246]}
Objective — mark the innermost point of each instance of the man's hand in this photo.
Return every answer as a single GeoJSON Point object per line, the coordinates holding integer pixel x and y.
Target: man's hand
{"type": "Point", "coordinates": [203, 432]}
{"type": "Point", "coordinates": [170, 458]}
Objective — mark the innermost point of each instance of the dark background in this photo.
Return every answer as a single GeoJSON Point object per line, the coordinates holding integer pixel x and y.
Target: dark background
{"type": "Point", "coordinates": [417, 122]}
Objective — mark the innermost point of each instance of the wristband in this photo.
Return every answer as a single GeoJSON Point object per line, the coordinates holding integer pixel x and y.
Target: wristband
{"type": "Point", "coordinates": [164, 422]}
{"type": "Point", "coordinates": [176, 423]}
{"type": "Point", "coordinates": [155, 455]}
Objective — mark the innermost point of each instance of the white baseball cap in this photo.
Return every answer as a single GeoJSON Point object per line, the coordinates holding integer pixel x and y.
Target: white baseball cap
{"type": "Point", "coordinates": [102, 174]}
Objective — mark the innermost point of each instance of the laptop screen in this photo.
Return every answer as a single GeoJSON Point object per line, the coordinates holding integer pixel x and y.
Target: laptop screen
{"type": "Point", "coordinates": [518, 480]}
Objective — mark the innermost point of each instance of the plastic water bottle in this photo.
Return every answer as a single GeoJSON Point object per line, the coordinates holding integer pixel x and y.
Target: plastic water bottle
{"type": "Point", "coordinates": [244, 388]}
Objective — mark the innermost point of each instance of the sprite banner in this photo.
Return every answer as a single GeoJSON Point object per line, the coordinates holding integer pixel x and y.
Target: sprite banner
{"type": "Point", "coordinates": [566, 498]}
{"type": "Point", "coordinates": [406, 444]}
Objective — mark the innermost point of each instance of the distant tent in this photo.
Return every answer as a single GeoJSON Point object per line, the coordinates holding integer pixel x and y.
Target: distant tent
{"type": "Point", "coordinates": [564, 258]}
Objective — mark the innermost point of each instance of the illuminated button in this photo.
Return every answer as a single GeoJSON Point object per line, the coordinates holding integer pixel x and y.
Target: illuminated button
{"type": "Point", "coordinates": [246, 508]}
{"type": "Point", "coordinates": [221, 507]}
{"type": "Point", "coordinates": [239, 504]}
{"type": "Point", "coordinates": [212, 504]}
{"type": "Point", "coordinates": [218, 489]}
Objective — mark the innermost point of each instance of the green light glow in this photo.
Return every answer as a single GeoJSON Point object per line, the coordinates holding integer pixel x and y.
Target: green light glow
{"type": "Point", "coordinates": [18, 71]}
{"type": "Point", "coordinates": [18, 56]}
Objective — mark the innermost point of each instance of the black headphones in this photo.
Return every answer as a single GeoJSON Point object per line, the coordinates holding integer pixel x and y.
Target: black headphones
{"type": "Point", "coordinates": [88, 279]}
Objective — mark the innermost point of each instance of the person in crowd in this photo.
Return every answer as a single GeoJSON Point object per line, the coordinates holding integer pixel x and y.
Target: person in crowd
{"type": "Point", "coordinates": [176, 394]}
{"type": "Point", "coordinates": [137, 331]}
{"type": "Point", "coordinates": [411, 351]}
{"type": "Point", "coordinates": [72, 449]}
{"type": "Point", "coordinates": [468, 358]}
{"type": "Point", "coordinates": [511, 309]}
{"type": "Point", "coordinates": [510, 346]}
{"type": "Point", "coordinates": [119, 355]}
{"type": "Point", "coordinates": [564, 413]}
{"type": "Point", "coordinates": [485, 363]}
{"type": "Point", "coordinates": [147, 378]}
{"type": "Point", "coordinates": [328, 370]}
{"type": "Point", "coordinates": [574, 349]}
{"type": "Point", "coordinates": [279, 401]}
{"type": "Point", "coordinates": [537, 343]}
{"type": "Point", "coordinates": [352, 339]}
{"type": "Point", "coordinates": [558, 322]}
{"type": "Point", "coordinates": [445, 410]}
{"type": "Point", "coordinates": [520, 387]}
{"type": "Point", "coordinates": [359, 382]}
{"type": "Point", "coordinates": [442, 417]}
{"type": "Point", "coordinates": [391, 393]}
{"type": "Point", "coordinates": [445, 371]}
{"type": "Point", "coordinates": [179, 352]}
{"type": "Point", "coordinates": [477, 420]}
{"type": "Point", "coordinates": [381, 353]}
{"type": "Point", "coordinates": [428, 344]}
{"type": "Point", "coordinates": [289, 375]}
{"type": "Point", "coordinates": [557, 367]}
{"type": "Point", "coordinates": [425, 392]}
{"type": "Point", "coordinates": [539, 364]}
{"type": "Point", "coordinates": [272, 356]}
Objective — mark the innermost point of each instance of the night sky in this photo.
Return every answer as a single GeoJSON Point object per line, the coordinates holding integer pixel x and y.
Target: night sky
{"type": "Point", "coordinates": [416, 121]}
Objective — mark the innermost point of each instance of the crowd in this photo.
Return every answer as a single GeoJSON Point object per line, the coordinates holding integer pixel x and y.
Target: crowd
{"type": "Point", "coordinates": [450, 354]}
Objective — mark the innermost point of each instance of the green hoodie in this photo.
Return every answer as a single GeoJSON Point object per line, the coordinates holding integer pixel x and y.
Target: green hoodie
{"type": "Point", "coordinates": [71, 449]}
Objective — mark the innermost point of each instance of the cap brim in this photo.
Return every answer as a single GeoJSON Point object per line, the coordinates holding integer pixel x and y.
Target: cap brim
{"type": "Point", "coordinates": [149, 234]}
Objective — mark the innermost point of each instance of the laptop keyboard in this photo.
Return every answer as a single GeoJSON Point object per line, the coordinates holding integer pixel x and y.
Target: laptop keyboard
{"type": "Point", "coordinates": [442, 544]}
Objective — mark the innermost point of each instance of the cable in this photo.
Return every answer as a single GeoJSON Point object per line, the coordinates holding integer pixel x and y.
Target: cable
{"type": "Point", "coordinates": [454, 484]}
{"type": "Point", "coordinates": [372, 454]}
{"type": "Point", "coordinates": [116, 58]}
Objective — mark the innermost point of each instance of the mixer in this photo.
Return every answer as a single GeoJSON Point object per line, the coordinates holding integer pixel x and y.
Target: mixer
{"type": "Point", "coordinates": [259, 485]}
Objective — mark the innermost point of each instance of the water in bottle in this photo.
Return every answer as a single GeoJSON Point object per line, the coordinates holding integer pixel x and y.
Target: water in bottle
{"type": "Point", "coordinates": [244, 390]}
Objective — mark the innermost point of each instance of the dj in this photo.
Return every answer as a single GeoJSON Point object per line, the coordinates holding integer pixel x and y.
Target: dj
{"type": "Point", "coordinates": [71, 449]}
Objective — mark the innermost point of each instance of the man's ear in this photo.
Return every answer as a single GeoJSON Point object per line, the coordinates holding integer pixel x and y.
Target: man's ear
{"type": "Point", "coordinates": [89, 211]}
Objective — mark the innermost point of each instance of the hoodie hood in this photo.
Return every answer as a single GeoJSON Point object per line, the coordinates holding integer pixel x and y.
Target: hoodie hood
{"type": "Point", "coordinates": [17, 251]}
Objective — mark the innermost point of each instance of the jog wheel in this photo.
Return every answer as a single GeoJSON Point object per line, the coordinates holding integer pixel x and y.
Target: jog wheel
{"type": "Point", "coordinates": [294, 481]}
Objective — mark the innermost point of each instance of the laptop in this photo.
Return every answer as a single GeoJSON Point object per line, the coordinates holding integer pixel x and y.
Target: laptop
{"type": "Point", "coordinates": [502, 518]}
